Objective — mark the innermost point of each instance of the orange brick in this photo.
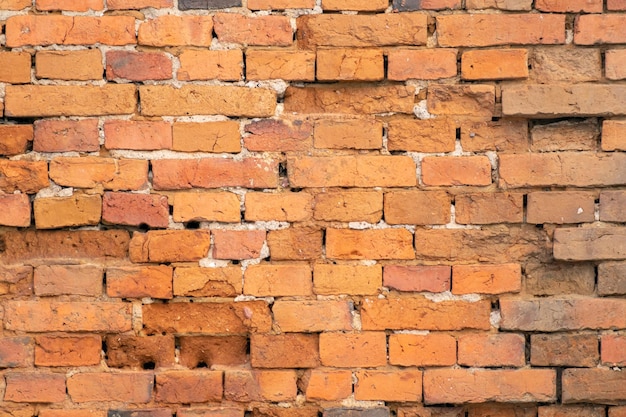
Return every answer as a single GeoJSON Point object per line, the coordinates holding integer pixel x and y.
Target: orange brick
{"type": "Point", "coordinates": [349, 206]}
{"type": "Point", "coordinates": [17, 352]}
{"type": "Point", "coordinates": [270, 385]}
{"type": "Point", "coordinates": [593, 385]}
{"type": "Point", "coordinates": [295, 243]}
{"type": "Point", "coordinates": [128, 351]}
{"type": "Point", "coordinates": [137, 135]}
{"type": "Point", "coordinates": [348, 350]}
{"type": "Point", "coordinates": [135, 209]}
{"type": "Point", "coordinates": [169, 245]}
{"type": "Point", "coordinates": [497, 349]}
{"type": "Point", "coordinates": [70, 5]}
{"type": "Point", "coordinates": [564, 64]}
{"type": "Point", "coordinates": [69, 100]}
{"type": "Point", "coordinates": [496, 64]}
{"type": "Point", "coordinates": [177, 174]}
{"type": "Point", "coordinates": [206, 207]}
{"type": "Point", "coordinates": [139, 282]}
{"type": "Point", "coordinates": [207, 137]}
{"type": "Point", "coordinates": [268, 280]}
{"type": "Point", "coordinates": [78, 210]}
{"type": "Point", "coordinates": [571, 6]}
{"type": "Point", "coordinates": [208, 411]}
{"type": "Point", "coordinates": [423, 314]}
{"type": "Point", "coordinates": [403, 5]}
{"type": "Point", "coordinates": [188, 386]}
{"type": "Point", "coordinates": [599, 29]}
{"type": "Point", "coordinates": [280, 4]}
{"type": "Point", "coordinates": [227, 100]}
{"type": "Point", "coordinates": [615, 63]}
{"type": "Point", "coordinates": [279, 135]}
{"type": "Point", "coordinates": [461, 100]}
{"type": "Point", "coordinates": [237, 244]}
{"type": "Point", "coordinates": [15, 210]}
{"type": "Point", "coordinates": [486, 279]}
{"type": "Point", "coordinates": [289, 350]}
{"type": "Point", "coordinates": [430, 135]}
{"type": "Point", "coordinates": [452, 170]}
{"type": "Point", "coordinates": [418, 278]}
{"type": "Point", "coordinates": [138, 66]}
{"type": "Point", "coordinates": [169, 30]}
{"type": "Point", "coordinates": [266, 64]}
{"type": "Point", "coordinates": [369, 244]}
{"type": "Point", "coordinates": [225, 65]}
{"type": "Point", "coordinates": [68, 279]}
{"type": "Point", "coordinates": [14, 4]}
{"type": "Point", "coordinates": [356, 5]}
{"type": "Point", "coordinates": [69, 30]}
{"type": "Point", "coordinates": [348, 134]}
{"type": "Point", "coordinates": [417, 207]}
{"type": "Point", "coordinates": [617, 411]}
{"type": "Point", "coordinates": [261, 31]}
{"type": "Point", "coordinates": [489, 208]}
{"type": "Point", "coordinates": [613, 132]}
{"type": "Point", "coordinates": [422, 64]}
{"type": "Point", "coordinates": [613, 348]}
{"type": "Point", "coordinates": [208, 282]}
{"type": "Point", "coordinates": [433, 349]}
{"type": "Point", "coordinates": [67, 351]}
{"type": "Point", "coordinates": [573, 411]}
{"type": "Point", "coordinates": [66, 135]}
{"type": "Point", "coordinates": [15, 138]}
{"type": "Point", "coordinates": [565, 136]}
{"type": "Point", "coordinates": [328, 385]}
{"type": "Point", "coordinates": [282, 207]}
{"type": "Point", "coordinates": [90, 172]}
{"type": "Point", "coordinates": [350, 65]}
{"type": "Point", "coordinates": [196, 351]}
{"type": "Point", "coordinates": [340, 30]}
{"type": "Point", "coordinates": [312, 316]}
{"type": "Point", "coordinates": [15, 67]}
{"type": "Point", "coordinates": [616, 4]}
{"type": "Point", "coordinates": [330, 279]}
{"type": "Point", "coordinates": [503, 135]}
{"type": "Point", "coordinates": [560, 207]}
{"type": "Point", "coordinates": [71, 413]}
{"type": "Point", "coordinates": [396, 385]}
{"type": "Point", "coordinates": [34, 388]}
{"type": "Point", "coordinates": [138, 4]}
{"type": "Point", "coordinates": [498, 4]}
{"type": "Point", "coordinates": [500, 29]}
{"type": "Point", "coordinates": [611, 203]}
{"type": "Point", "coordinates": [131, 387]}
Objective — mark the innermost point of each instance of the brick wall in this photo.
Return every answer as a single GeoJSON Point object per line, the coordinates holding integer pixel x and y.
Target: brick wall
{"type": "Point", "coordinates": [306, 208]}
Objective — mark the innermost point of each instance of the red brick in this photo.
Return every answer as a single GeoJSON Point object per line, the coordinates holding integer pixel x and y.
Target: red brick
{"type": "Point", "coordinates": [16, 352]}
{"type": "Point", "coordinates": [169, 30]}
{"type": "Point", "coordinates": [261, 31]}
{"type": "Point", "coordinates": [369, 244]}
{"type": "Point", "coordinates": [430, 135]}
{"type": "Point", "coordinates": [433, 349]}
{"type": "Point", "coordinates": [349, 206]}
{"type": "Point", "coordinates": [196, 351]}
{"type": "Point", "coordinates": [330, 279]}
{"type": "Point", "coordinates": [422, 411]}
{"type": "Point", "coordinates": [560, 207]}
{"type": "Point", "coordinates": [208, 282]}
{"type": "Point", "coordinates": [559, 278]}
{"type": "Point", "coordinates": [348, 134]}
{"type": "Point", "coordinates": [610, 278]}
{"type": "Point", "coordinates": [328, 385]}
{"type": "Point", "coordinates": [617, 411]}
{"type": "Point", "coordinates": [139, 282]}
{"type": "Point", "coordinates": [225, 65]}
{"type": "Point", "coordinates": [616, 4]}
{"type": "Point", "coordinates": [279, 135]}
{"type": "Point", "coordinates": [15, 210]}
{"type": "Point", "coordinates": [280, 4]}
{"type": "Point", "coordinates": [593, 386]}
{"type": "Point", "coordinates": [15, 67]}
{"type": "Point", "coordinates": [589, 244]}
{"type": "Point", "coordinates": [226, 317]}
{"type": "Point", "coordinates": [486, 279]}
{"type": "Point", "coordinates": [206, 207]}
{"type": "Point", "coordinates": [417, 207]}
{"type": "Point", "coordinates": [595, 29]}
{"type": "Point", "coordinates": [356, 5]}
{"type": "Point", "coordinates": [503, 135]}
{"type": "Point", "coordinates": [68, 279]}
{"type": "Point", "coordinates": [206, 137]}
{"type": "Point", "coordinates": [461, 100]}
{"type": "Point", "coordinates": [613, 132]}
{"type": "Point", "coordinates": [312, 316]}
{"type": "Point", "coordinates": [138, 4]}
{"type": "Point", "coordinates": [25, 176]}
{"type": "Point", "coordinates": [135, 209]}
{"type": "Point", "coordinates": [571, 6]}
{"type": "Point", "coordinates": [353, 350]}
{"type": "Point", "coordinates": [340, 30]}
{"type": "Point", "coordinates": [350, 65]}
{"type": "Point", "coordinates": [79, 65]}
{"type": "Point", "coordinates": [137, 135]}
{"type": "Point", "coordinates": [66, 135]}
{"type": "Point", "coordinates": [613, 349]}
{"type": "Point", "coordinates": [282, 207]}
{"type": "Point", "coordinates": [125, 351]}
{"type": "Point", "coordinates": [15, 138]}
{"type": "Point", "coordinates": [269, 280]}
{"type": "Point", "coordinates": [615, 62]}
{"type": "Point", "coordinates": [295, 243]}
{"type": "Point", "coordinates": [459, 385]}
{"type": "Point", "coordinates": [67, 351]}
{"type": "Point", "coordinates": [71, 413]}
{"type": "Point", "coordinates": [565, 136]}
{"type": "Point", "coordinates": [490, 350]}
{"type": "Point", "coordinates": [500, 29]}
{"type": "Point", "coordinates": [396, 385]}
{"type": "Point", "coordinates": [422, 64]}
{"type": "Point", "coordinates": [77, 210]}
{"type": "Point", "coordinates": [131, 387]}
{"type": "Point", "coordinates": [498, 4]}
{"type": "Point", "coordinates": [611, 203]}
{"type": "Point", "coordinates": [289, 350]}
{"type": "Point", "coordinates": [453, 170]}
{"type": "Point", "coordinates": [246, 386]}
{"type": "Point", "coordinates": [188, 386]}
{"type": "Point", "coordinates": [237, 244]}
{"type": "Point", "coordinates": [417, 278]}
{"type": "Point", "coordinates": [34, 388]}
{"type": "Point", "coordinates": [16, 280]}
{"type": "Point", "coordinates": [489, 208]}
{"type": "Point", "coordinates": [423, 314]}
{"type": "Point", "coordinates": [496, 64]}
{"type": "Point", "coordinates": [180, 174]}
{"type": "Point", "coordinates": [70, 5]}
{"type": "Point", "coordinates": [138, 66]}
{"type": "Point", "coordinates": [279, 64]}
{"type": "Point", "coordinates": [169, 246]}
{"type": "Point", "coordinates": [92, 172]}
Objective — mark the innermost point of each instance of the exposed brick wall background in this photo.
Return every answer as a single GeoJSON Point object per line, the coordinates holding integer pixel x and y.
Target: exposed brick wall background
{"type": "Point", "coordinates": [345, 208]}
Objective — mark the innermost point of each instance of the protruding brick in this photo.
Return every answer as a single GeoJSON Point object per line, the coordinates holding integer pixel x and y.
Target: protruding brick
{"type": "Point", "coordinates": [454, 170]}
{"type": "Point", "coordinates": [615, 63]}
{"type": "Point", "coordinates": [139, 282]}
{"type": "Point", "coordinates": [495, 64]}
{"type": "Point", "coordinates": [369, 244]}
{"type": "Point", "coordinates": [207, 137]}
{"type": "Point", "coordinates": [266, 64]}
{"type": "Point", "coordinates": [349, 350]}
{"type": "Point", "coordinates": [328, 385]}
{"type": "Point", "coordinates": [135, 209]}
{"type": "Point", "coordinates": [348, 134]}
{"type": "Point", "coordinates": [131, 387]}
{"type": "Point", "coordinates": [15, 138]}
{"type": "Point", "coordinates": [261, 30]}
{"type": "Point", "coordinates": [329, 279]}
{"type": "Point", "coordinates": [267, 280]}
{"type": "Point", "coordinates": [593, 386]}
{"type": "Point", "coordinates": [79, 65]}
{"type": "Point", "coordinates": [34, 387]}
{"type": "Point", "coordinates": [488, 350]}
{"type": "Point", "coordinates": [198, 351]}
{"type": "Point", "coordinates": [295, 243]}
{"type": "Point", "coordinates": [350, 65]}
{"type": "Point", "coordinates": [92, 171]}
{"type": "Point", "coordinates": [421, 64]}
{"type": "Point", "coordinates": [430, 135]}
{"type": "Point", "coordinates": [16, 352]}
{"type": "Point", "coordinates": [613, 133]}
{"type": "Point", "coordinates": [208, 282]}
{"type": "Point", "coordinates": [78, 210]}
{"type": "Point", "coordinates": [127, 351]}
{"type": "Point", "coordinates": [461, 100]}
{"type": "Point", "coordinates": [237, 244]}
{"type": "Point", "coordinates": [610, 280]}
{"type": "Point", "coordinates": [68, 280]}
{"type": "Point", "coordinates": [67, 351]}
{"type": "Point", "coordinates": [189, 386]}
{"type": "Point", "coordinates": [66, 135]}
{"type": "Point", "coordinates": [169, 245]}
{"type": "Point", "coordinates": [312, 316]}
{"type": "Point", "coordinates": [417, 207]}
{"type": "Point", "coordinates": [15, 210]}
{"type": "Point", "coordinates": [284, 207]}
{"type": "Point", "coordinates": [289, 350]}
{"type": "Point", "coordinates": [170, 30]}
{"type": "Point", "coordinates": [279, 135]}
{"type": "Point", "coordinates": [565, 136]}
{"type": "Point", "coordinates": [206, 207]}
{"type": "Point", "coordinates": [349, 206]}
{"type": "Point", "coordinates": [595, 29]}
{"type": "Point", "coordinates": [15, 67]}
{"type": "Point", "coordinates": [574, 244]}
{"type": "Point", "coordinates": [433, 349]}
{"type": "Point", "coordinates": [246, 386]}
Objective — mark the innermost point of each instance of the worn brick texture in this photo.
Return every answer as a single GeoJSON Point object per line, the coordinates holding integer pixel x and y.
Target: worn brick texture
{"type": "Point", "coordinates": [303, 208]}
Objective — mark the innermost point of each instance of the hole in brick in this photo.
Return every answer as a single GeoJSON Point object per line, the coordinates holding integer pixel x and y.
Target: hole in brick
{"type": "Point", "coordinates": [143, 227]}
{"type": "Point", "coordinates": [495, 305]}
{"type": "Point", "coordinates": [247, 346]}
{"type": "Point", "coordinates": [202, 365]}
{"type": "Point", "coordinates": [149, 365]}
{"type": "Point", "coordinates": [495, 119]}
{"type": "Point", "coordinates": [243, 62]}
{"type": "Point", "coordinates": [171, 210]}
{"type": "Point", "coordinates": [192, 225]}
{"type": "Point", "coordinates": [282, 169]}
{"type": "Point", "coordinates": [458, 133]}
{"type": "Point", "coordinates": [527, 349]}
{"type": "Point", "coordinates": [3, 244]}
{"type": "Point", "coordinates": [104, 349]}
{"type": "Point", "coordinates": [296, 190]}
{"type": "Point", "coordinates": [235, 262]}
{"type": "Point", "coordinates": [385, 66]}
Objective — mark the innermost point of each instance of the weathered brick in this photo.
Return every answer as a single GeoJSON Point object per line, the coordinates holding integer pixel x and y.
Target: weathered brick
{"type": "Point", "coordinates": [139, 282]}
{"type": "Point", "coordinates": [15, 4]}
{"type": "Point", "coordinates": [16, 280]}
{"type": "Point", "coordinates": [454, 170]}
{"type": "Point", "coordinates": [295, 243]}
{"type": "Point", "coordinates": [285, 206]}
{"type": "Point", "coordinates": [565, 64]}
{"type": "Point", "coordinates": [169, 245]}
{"type": "Point", "coordinates": [16, 352]}
{"type": "Point", "coordinates": [265, 385]}
{"type": "Point", "coordinates": [226, 318]}
{"type": "Point", "coordinates": [15, 210]}
{"type": "Point", "coordinates": [610, 278]}
{"type": "Point", "coordinates": [560, 207]}
{"type": "Point", "coordinates": [571, 411]}
{"type": "Point", "coordinates": [350, 65]}
{"type": "Point", "coordinates": [219, 206]}
{"type": "Point", "coordinates": [138, 66]}
{"type": "Point", "coordinates": [79, 65]}
{"type": "Point", "coordinates": [70, 5]}
{"type": "Point", "coordinates": [575, 6]}
{"type": "Point", "coordinates": [125, 351]}
{"type": "Point", "coordinates": [486, 279]}
{"type": "Point", "coordinates": [565, 136]}
{"type": "Point", "coordinates": [164, 100]}
{"type": "Point", "coordinates": [356, 5]}
{"type": "Point", "coordinates": [396, 385]}
{"type": "Point", "coordinates": [188, 386]}
{"type": "Point", "coordinates": [225, 65]}
{"type": "Point", "coordinates": [135, 209]}
{"type": "Point", "coordinates": [595, 29]}
{"type": "Point", "coordinates": [15, 67]}
{"type": "Point", "coordinates": [418, 278]}
{"type": "Point", "coordinates": [138, 4]}
{"type": "Point", "coordinates": [485, 350]}
{"type": "Point", "coordinates": [615, 62]}
{"type": "Point", "coordinates": [407, 5]}
{"type": "Point", "coordinates": [279, 135]}
{"type": "Point", "coordinates": [170, 30]}
{"type": "Point", "coordinates": [312, 316]}
{"type": "Point", "coordinates": [261, 30]}
{"type": "Point", "coordinates": [268, 280]}
{"type": "Point", "coordinates": [349, 350]}
{"type": "Point", "coordinates": [197, 351]}
{"type": "Point", "coordinates": [348, 134]}
{"type": "Point", "coordinates": [613, 348]}
{"type": "Point", "coordinates": [237, 244]}
{"type": "Point", "coordinates": [422, 411]}
{"type": "Point", "coordinates": [66, 135]}
{"type": "Point", "coordinates": [461, 100]}
{"type": "Point", "coordinates": [68, 280]}
{"type": "Point", "coordinates": [495, 64]}
{"type": "Point", "coordinates": [210, 411]}
{"type": "Point", "coordinates": [92, 171]}
{"type": "Point", "coordinates": [458, 385]}
{"type": "Point", "coordinates": [67, 351]}
{"type": "Point", "coordinates": [369, 244]}
{"type": "Point", "coordinates": [328, 385]}
{"type": "Point", "coordinates": [423, 314]}
{"type": "Point", "coordinates": [430, 135]}
{"type": "Point", "coordinates": [50, 412]}
{"type": "Point", "coordinates": [489, 208]}
{"type": "Point", "coordinates": [329, 279]}
{"type": "Point", "coordinates": [34, 388]}
{"type": "Point", "coordinates": [433, 349]}
{"type": "Point", "coordinates": [499, 4]}
{"type": "Point", "coordinates": [208, 282]}
{"type": "Point", "coordinates": [280, 4]}
{"type": "Point", "coordinates": [206, 137]}
{"type": "Point", "coordinates": [593, 386]}
{"type": "Point", "coordinates": [349, 206]}
{"type": "Point", "coordinates": [15, 138]}
{"type": "Point", "coordinates": [26, 176]}
{"type": "Point", "coordinates": [421, 64]}
{"type": "Point", "coordinates": [289, 350]}
{"type": "Point", "coordinates": [503, 410]}
{"type": "Point", "coordinates": [131, 387]}
{"type": "Point", "coordinates": [266, 64]}
{"type": "Point", "coordinates": [417, 207]}
{"type": "Point", "coordinates": [613, 132]}
{"type": "Point", "coordinates": [208, 4]}
{"type": "Point", "coordinates": [357, 412]}
{"type": "Point", "coordinates": [57, 212]}
{"type": "Point", "coordinates": [499, 29]}
{"type": "Point", "coordinates": [560, 278]}
{"type": "Point", "coordinates": [50, 316]}
{"type": "Point", "coordinates": [502, 135]}
{"type": "Point", "coordinates": [574, 244]}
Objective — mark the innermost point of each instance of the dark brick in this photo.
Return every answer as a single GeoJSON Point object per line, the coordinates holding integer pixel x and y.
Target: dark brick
{"type": "Point", "coordinates": [407, 5]}
{"type": "Point", "coordinates": [207, 4]}
{"type": "Point", "coordinates": [160, 412]}
{"type": "Point", "coordinates": [357, 412]}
